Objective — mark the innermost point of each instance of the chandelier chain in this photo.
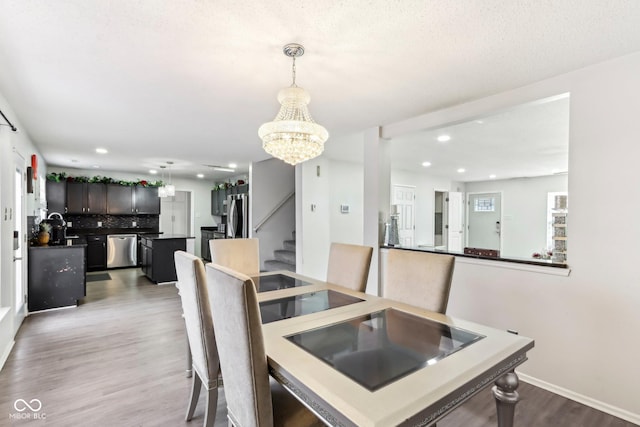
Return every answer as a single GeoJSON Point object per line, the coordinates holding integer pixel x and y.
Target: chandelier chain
{"type": "Point", "coordinates": [293, 69]}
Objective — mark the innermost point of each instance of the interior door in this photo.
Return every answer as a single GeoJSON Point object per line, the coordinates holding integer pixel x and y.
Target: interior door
{"type": "Point", "coordinates": [19, 238]}
{"type": "Point", "coordinates": [175, 216]}
{"type": "Point", "coordinates": [404, 197]}
{"type": "Point", "coordinates": [455, 225]}
{"type": "Point", "coordinates": [484, 220]}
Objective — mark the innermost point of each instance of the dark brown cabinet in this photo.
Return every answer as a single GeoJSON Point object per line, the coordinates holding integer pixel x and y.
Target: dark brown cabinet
{"type": "Point", "coordinates": [119, 199]}
{"type": "Point", "coordinates": [157, 257]}
{"type": "Point", "coordinates": [56, 197]}
{"type": "Point", "coordinates": [125, 200]}
{"type": "Point", "coordinates": [219, 198]}
{"type": "Point", "coordinates": [96, 253]}
{"type": "Point", "coordinates": [146, 200]}
{"type": "Point", "coordinates": [86, 198]}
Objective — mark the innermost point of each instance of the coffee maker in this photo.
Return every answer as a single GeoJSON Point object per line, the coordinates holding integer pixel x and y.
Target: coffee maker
{"type": "Point", "coordinates": [58, 232]}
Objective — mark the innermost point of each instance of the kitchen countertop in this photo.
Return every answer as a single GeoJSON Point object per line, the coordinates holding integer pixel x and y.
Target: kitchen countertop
{"type": "Point", "coordinates": [167, 236]}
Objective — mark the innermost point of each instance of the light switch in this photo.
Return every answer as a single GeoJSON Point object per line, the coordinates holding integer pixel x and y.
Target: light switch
{"type": "Point", "coordinates": [313, 207]}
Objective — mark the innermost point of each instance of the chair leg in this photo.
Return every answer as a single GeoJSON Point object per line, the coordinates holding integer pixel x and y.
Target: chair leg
{"type": "Point", "coordinates": [212, 407]}
{"type": "Point", "coordinates": [196, 384]}
{"type": "Point", "coordinates": [189, 359]}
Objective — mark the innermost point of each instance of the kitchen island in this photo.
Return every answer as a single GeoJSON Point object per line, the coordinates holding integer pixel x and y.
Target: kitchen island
{"type": "Point", "coordinates": [57, 276]}
{"type": "Point", "coordinates": [157, 255]}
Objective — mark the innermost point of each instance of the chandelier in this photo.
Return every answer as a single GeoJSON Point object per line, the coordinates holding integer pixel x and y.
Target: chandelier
{"type": "Point", "coordinates": [293, 136]}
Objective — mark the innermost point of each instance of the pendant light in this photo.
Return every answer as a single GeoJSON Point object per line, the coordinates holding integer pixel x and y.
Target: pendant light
{"type": "Point", "coordinates": [293, 136]}
{"type": "Point", "coordinates": [170, 188]}
{"type": "Point", "coordinates": [162, 191]}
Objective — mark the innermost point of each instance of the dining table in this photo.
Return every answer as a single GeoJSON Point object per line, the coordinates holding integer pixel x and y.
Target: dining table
{"type": "Point", "coordinates": [356, 359]}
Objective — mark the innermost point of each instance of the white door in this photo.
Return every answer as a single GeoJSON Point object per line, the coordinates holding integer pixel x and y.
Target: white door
{"type": "Point", "coordinates": [19, 238]}
{"type": "Point", "coordinates": [455, 224]}
{"type": "Point", "coordinates": [404, 197]}
{"type": "Point", "coordinates": [175, 213]}
{"type": "Point", "coordinates": [484, 220]}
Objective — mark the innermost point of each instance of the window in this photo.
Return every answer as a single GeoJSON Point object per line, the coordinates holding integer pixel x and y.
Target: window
{"type": "Point", "coordinates": [484, 205]}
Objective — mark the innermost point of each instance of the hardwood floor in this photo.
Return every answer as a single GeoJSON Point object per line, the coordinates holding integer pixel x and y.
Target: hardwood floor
{"type": "Point", "coordinates": [118, 360]}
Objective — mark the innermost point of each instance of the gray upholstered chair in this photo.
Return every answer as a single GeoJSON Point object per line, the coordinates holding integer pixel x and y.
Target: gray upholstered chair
{"type": "Point", "coordinates": [349, 265]}
{"type": "Point", "coordinates": [252, 399]}
{"type": "Point", "coordinates": [421, 279]}
{"type": "Point", "coordinates": [241, 255]}
{"type": "Point", "coordinates": [202, 343]}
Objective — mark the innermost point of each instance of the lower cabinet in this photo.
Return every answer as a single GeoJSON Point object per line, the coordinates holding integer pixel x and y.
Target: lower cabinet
{"type": "Point", "coordinates": [57, 276]}
{"type": "Point", "coordinates": [96, 253]}
{"type": "Point", "coordinates": [157, 257]}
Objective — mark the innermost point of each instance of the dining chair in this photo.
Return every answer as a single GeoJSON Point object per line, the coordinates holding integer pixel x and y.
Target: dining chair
{"type": "Point", "coordinates": [421, 279]}
{"type": "Point", "coordinates": [349, 265]}
{"type": "Point", "coordinates": [252, 398]}
{"type": "Point", "coordinates": [241, 255]}
{"type": "Point", "coordinates": [202, 343]}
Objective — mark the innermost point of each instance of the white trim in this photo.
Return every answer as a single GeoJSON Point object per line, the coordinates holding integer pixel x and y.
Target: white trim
{"type": "Point", "coordinates": [580, 398]}
{"type": "Point", "coordinates": [554, 271]}
{"type": "Point", "coordinates": [6, 353]}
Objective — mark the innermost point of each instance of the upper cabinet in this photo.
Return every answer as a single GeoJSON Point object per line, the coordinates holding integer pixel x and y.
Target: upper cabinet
{"type": "Point", "coordinates": [56, 197]}
{"type": "Point", "coordinates": [146, 200]}
{"type": "Point", "coordinates": [119, 199]}
{"type": "Point", "coordinates": [219, 198]}
{"type": "Point", "coordinates": [86, 198]}
{"type": "Point", "coordinates": [131, 200]}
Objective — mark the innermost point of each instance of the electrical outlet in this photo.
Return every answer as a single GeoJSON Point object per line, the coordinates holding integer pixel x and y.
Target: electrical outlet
{"type": "Point", "coordinates": [99, 223]}
{"type": "Point", "coordinates": [69, 224]}
{"type": "Point", "coordinates": [133, 223]}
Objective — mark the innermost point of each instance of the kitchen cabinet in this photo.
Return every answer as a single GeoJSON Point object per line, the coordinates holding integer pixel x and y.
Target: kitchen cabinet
{"type": "Point", "coordinates": [146, 200]}
{"type": "Point", "coordinates": [86, 198]}
{"type": "Point", "coordinates": [128, 200]}
{"type": "Point", "coordinates": [96, 252]}
{"type": "Point", "coordinates": [57, 276]}
{"type": "Point", "coordinates": [119, 199]}
{"type": "Point", "coordinates": [157, 255]}
{"type": "Point", "coordinates": [56, 197]}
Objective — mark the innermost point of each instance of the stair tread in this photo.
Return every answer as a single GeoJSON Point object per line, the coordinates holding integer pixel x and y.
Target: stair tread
{"type": "Point", "coordinates": [273, 265]}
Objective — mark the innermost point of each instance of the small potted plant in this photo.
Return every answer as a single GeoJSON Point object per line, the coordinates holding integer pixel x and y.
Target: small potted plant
{"type": "Point", "coordinates": [45, 233]}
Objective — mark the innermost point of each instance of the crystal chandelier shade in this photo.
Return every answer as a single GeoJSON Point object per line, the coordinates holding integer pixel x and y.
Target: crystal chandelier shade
{"type": "Point", "coordinates": [293, 136]}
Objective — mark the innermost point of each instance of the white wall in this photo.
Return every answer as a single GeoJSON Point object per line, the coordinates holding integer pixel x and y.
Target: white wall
{"type": "Point", "coordinates": [585, 325]}
{"type": "Point", "coordinates": [524, 211]}
{"type": "Point", "coordinates": [271, 181]}
{"type": "Point", "coordinates": [10, 143]}
{"type": "Point", "coordinates": [345, 188]}
{"type": "Point", "coordinates": [314, 238]}
{"type": "Point", "coordinates": [199, 188]}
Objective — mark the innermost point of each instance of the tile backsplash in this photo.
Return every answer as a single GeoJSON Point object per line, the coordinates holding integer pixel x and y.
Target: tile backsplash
{"type": "Point", "coordinates": [112, 221]}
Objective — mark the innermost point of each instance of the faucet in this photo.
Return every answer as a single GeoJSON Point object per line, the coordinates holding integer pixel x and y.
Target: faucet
{"type": "Point", "coordinates": [55, 213]}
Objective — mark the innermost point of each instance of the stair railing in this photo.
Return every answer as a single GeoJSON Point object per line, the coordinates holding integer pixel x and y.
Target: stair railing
{"type": "Point", "coordinates": [273, 211]}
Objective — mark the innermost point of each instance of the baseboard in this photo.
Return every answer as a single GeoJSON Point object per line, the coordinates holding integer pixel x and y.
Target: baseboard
{"type": "Point", "coordinates": [580, 398]}
{"type": "Point", "coordinates": [6, 353]}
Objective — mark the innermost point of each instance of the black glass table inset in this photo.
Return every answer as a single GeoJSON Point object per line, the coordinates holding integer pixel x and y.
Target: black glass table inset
{"type": "Point", "coordinates": [277, 281]}
{"type": "Point", "coordinates": [299, 305]}
{"type": "Point", "coordinates": [378, 348]}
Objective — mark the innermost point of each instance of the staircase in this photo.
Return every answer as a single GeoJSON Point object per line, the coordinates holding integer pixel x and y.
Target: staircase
{"type": "Point", "coordinates": [285, 259]}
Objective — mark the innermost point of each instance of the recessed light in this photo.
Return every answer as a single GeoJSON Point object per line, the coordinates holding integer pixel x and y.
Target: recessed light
{"type": "Point", "coordinates": [462, 170]}
{"type": "Point", "coordinates": [480, 122]}
{"type": "Point", "coordinates": [426, 164]}
{"type": "Point", "coordinates": [96, 166]}
{"type": "Point", "coordinates": [101, 150]}
{"type": "Point", "coordinates": [200, 175]}
{"type": "Point", "coordinates": [153, 171]}
{"type": "Point", "coordinates": [444, 138]}
{"type": "Point", "coordinates": [492, 176]}
{"type": "Point", "coordinates": [74, 161]}
{"type": "Point", "coordinates": [232, 165]}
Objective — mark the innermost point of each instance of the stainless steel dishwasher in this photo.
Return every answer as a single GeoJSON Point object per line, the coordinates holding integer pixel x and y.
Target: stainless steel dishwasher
{"type": "Point", "coordinates": [122, 250]}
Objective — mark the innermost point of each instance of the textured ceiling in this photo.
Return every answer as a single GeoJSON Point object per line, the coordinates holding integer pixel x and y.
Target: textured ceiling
{"type": "Point", "coordinates": [190, 81]}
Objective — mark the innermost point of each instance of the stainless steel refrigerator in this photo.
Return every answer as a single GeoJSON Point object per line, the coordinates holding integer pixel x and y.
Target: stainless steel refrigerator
{"type": "Point", "coordinates": [237, 216]}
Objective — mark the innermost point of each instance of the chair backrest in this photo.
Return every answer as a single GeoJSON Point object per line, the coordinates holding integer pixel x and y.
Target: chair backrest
{"type": "Point", "coordinates": [238, 327]}
{"type": "Point", "coordinates": [241, 255]}
{"type": "Point", "coordinates": [421, 279]}
{"type": "Point", "coordinates": [349, 265]}
{"type": "Point", "coordinates": [192, 284]}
